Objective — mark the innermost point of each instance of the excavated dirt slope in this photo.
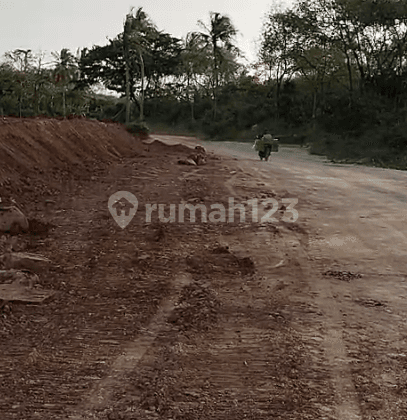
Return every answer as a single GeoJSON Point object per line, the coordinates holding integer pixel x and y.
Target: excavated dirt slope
{"type": "Point", "coordinates": [44, 145]}
{"type": "Point", "coordinates": [158, 320]}
{"type": "Point", "coordinates": [195, 320]}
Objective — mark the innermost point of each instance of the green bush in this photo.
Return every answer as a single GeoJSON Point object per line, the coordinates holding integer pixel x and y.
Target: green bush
{"type": "Point", "coordinates": [138, 128]}
{"type": "Point", "coordinates": [397, 138]}
{"type": "Point", "coordinates": [353, 120]}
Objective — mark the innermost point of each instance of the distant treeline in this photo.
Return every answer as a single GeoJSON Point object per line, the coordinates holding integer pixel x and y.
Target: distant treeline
{"type": "Point", "coordinates": [331, 70]}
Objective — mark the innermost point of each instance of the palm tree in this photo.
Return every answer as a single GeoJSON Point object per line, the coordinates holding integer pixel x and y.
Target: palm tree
{"type": "Point", "coordinates": [64, 71]}
{"type": "Point", "coordinates": [136, 27]}
{"type": "Point", "coordinates": [220, 35]}
{"type": "Point", "coordinates": [195, 59]}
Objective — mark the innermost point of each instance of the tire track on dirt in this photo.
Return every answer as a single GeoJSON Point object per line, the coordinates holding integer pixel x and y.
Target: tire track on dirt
{"type": "Point", "coordinates": [336, 353]}
{"type": "Point", "coordinates": [102, 392]}
{"type": "Point", "coordinates": [253, 358]}
{"type": "Point", "coordinates": [250, 364]}
{"type": "Point", "coordinates": [372, 309]}
{"type": "Point", "coordinates": [332, 339]}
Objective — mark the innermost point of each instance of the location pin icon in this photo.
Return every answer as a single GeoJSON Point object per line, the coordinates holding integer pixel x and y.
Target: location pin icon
{"type": "Point", "coordinates": [123, 206]}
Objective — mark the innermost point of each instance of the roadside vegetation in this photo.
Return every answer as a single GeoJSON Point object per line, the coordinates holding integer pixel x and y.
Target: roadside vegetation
{"type": "Point", "coordinates": [330, 73]}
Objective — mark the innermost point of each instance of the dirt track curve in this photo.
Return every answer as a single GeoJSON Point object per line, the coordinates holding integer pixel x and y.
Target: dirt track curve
{"type": "Point", "coordinates": [236, 320]}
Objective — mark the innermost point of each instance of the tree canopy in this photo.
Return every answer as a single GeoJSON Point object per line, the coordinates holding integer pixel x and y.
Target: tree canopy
{"type": "Point", "coordinates": [336, 64]}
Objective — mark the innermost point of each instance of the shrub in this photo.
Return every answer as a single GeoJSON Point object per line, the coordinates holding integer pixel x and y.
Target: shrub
{"type": "Point", "coordinates": [397, 138]}
{"type": "Point", "coordinates": [138, 128]}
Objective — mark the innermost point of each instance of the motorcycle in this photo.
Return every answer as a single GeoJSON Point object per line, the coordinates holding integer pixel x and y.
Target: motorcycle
{"type": "Point", "coordinates": [265, 147]}
{"type": "Point", "coordinates": [265, 154]}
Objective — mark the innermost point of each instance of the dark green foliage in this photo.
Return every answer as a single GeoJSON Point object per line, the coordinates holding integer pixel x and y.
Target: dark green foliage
{"type": "Point", "coordinates": [322, 75]}
{"type": "Point", "coordinates": [346, 119]}
{"type": "Point", "coordinates": [139, 129]}
{"type": "Point", "coordinates": [397, 138]}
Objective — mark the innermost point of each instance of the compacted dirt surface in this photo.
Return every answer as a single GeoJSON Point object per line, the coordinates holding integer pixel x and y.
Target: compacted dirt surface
{"type": "Point", "coordinates": [287, 302]}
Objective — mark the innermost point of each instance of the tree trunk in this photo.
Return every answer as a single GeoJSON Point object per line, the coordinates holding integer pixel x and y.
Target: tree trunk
{"type": "Point", "coordinates": [126, 63]}
{"type": "Point", "coordinates": [63, 102]}
{"type": "Point", "coordinates": [192, 110]}
{"type": "Point", "coordinates": [214, 99]}
{"type": "Point", "coordinates": [190, 97]}
{"type": "Point", "coordinates": [215, 92]}
{"type": "Point", "coordinates": [314, 105]}
{"type": "Point", "coordinates": [142, 88]}
{"type": "Point", "coordinates": [38, 101]}
{"type": "Point", "coordinates": [350, 80]}
{"type": "Point", "coordinates": [278, 90]}
{"type": "Point", "coordinates": [127, 93]}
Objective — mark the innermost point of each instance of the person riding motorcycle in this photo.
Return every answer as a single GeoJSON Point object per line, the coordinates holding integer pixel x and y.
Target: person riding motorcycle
{"type": "Point", "coordinates": [265, 144]}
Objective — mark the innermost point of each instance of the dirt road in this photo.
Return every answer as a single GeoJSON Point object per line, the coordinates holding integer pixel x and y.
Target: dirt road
{"type": "Point", "coordinates": [354, 219]}
{"type": "Point", "coordinates": [354, 232]}
{"type": "Point", "coordinates": [242, 319]}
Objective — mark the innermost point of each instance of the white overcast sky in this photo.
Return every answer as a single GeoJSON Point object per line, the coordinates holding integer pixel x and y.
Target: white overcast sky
{"type": "Point", "coordinates": [50, 25]}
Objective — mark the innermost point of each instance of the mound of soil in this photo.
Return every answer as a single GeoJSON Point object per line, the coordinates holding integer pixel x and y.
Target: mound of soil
{"type": "Point", "coordinates": [38, 156]}
{"type": "Point", "coordinates": [41, 144]}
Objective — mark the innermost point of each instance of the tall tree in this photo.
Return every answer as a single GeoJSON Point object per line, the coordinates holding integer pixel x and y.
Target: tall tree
{"type": "Point", "coordinates": [275, 52]}
{"type": "Point", "coordinates": [7, 84]}
{"type": "Point", "coordinates": [220, 34]}
{"type": "Point", "coordinates": [22, 61]}
{"type": "Point", "coordinates": [195, 61]}
{"type": "Point", "coordinates": [135, 63]}
{"type": "Point", "coordinates": [64, 72]}
{"type": "Point", "coordinates": [137, 29]}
